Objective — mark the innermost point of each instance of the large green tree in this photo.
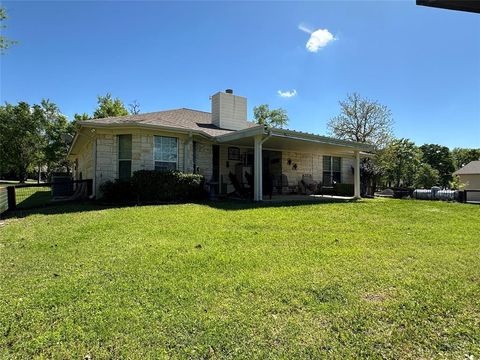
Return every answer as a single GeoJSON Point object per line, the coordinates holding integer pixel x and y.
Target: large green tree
{"type": "Point", "coordinates": [32, 137]}
{"type": "Point", "coordinates": [275, 118]}
{"type": "Point", "coordinates": [4, 42]}
{"type": "Point", "coordinates": [362, 120]}
{"type": "Point", "coordinates": [22, 138]}
{"type": "Point", "coordinates": [440, 159]}
{"type": "Point", "coordinates": [59, 133]}
{"type": "Point", "coordinates": [107, 106]}
{"type": "Point", "coordinates": [426, 176]}
{"type": "Point", "coordinates": [462, 156]}
{"type": "Point", "coordinates": [399, 161]}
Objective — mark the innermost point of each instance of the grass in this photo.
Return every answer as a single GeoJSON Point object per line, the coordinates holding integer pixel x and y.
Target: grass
{"type": "Point", "coordinates": [371, 279]}
{"type": "Point", "coordinates": [5, 183]}
{"type": "Point", "coordinates": [29, 197]}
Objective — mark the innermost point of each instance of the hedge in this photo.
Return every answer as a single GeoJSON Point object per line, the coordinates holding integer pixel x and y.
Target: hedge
{"type": "Point", "coordinates": [160, 186]}
{"type": "Point", "coordinates": [150, 186]}
{"type": "Point", "coordinates": [117, 192]}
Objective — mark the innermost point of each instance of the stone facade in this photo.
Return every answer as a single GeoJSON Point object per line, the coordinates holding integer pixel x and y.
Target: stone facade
{"type": "Point", "coordinates": [106, 160]}
{"type": "Point", "coordinates": [84, 162]}
{"type": "Point", "coordinates": [204, 159]}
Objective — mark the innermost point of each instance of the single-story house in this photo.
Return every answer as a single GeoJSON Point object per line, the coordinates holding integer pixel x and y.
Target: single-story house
{"type": "Point", "coordinates": [469, 176]}
{"type": "Point", "coordinates": [218, 145]}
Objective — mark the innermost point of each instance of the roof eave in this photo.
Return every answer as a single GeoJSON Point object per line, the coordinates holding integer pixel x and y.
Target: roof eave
{"type": "Point", "coordinates": [240, 134]}
{"type": "Point", "coordinates": [92, 124]}
{"type": "Point", "coordinates": [292, 134]}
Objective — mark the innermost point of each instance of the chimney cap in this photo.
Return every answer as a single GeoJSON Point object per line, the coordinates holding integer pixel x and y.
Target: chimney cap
{"type": "Point", "coordinates": [229, 91]}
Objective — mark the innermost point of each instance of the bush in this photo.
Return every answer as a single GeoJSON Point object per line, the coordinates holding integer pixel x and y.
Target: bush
{"type": "Point", "coordinates": [117, 191]}
{"type": "Point", "coordinates": [158, 186]}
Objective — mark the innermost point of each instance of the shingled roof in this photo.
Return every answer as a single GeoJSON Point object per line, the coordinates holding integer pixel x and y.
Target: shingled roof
{"type": "Point", "coordinates": [183, 118]}
{"type": "Point", "coordinates": [472, 168]}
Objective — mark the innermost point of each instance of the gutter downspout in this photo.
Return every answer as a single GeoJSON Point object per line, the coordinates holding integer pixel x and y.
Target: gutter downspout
{"type": "Point", "coordinates": [258, 167]}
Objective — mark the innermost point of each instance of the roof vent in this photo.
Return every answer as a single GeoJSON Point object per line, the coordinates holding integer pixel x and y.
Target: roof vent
{"type": "Point", "coordinates": [229, 91]}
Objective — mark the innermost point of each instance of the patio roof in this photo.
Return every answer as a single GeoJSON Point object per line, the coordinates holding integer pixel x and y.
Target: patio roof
{"type": "Point", "coordinates": [285, 139]}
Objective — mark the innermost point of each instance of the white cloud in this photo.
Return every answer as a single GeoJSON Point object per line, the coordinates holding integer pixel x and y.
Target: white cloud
{"type": "Point", "coordinates": [318, 38]}
{"type": "Point", "coordinates": [287, 93]}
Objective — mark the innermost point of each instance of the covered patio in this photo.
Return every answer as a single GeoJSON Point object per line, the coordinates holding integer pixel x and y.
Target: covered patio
{"type": "Point", "coordinates": [315, 149]}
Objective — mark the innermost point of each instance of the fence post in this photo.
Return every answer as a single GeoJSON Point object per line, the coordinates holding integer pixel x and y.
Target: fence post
{"type": "Point", "coordinates": [12, 202]}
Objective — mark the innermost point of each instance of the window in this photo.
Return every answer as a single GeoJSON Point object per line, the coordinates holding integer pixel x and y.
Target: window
{"type": "Point", "coordinates": [165, 153]}
{"type": "Point", "coordinates": [332, 170]}
{"type": "Point", "coordinates": [124, 157]}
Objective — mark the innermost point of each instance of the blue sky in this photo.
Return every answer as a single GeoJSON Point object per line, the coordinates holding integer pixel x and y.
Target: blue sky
{"type": "Point", "coordinates": [423, 63]}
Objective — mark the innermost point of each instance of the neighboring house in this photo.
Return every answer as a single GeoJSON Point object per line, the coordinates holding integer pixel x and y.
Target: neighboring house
{"type": "Point", "coordinates": [469, 176]}
{"type": "Point", "coordinates": [212, 144]}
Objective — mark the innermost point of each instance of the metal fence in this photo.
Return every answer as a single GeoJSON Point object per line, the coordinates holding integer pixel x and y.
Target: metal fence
{"type": "Point", "coordinates": [30, 196]}
{"type": "Point", "coordinates": [465, 196]}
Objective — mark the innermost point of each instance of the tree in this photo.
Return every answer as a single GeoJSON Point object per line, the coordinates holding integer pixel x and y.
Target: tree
{"type": "Point", "coordinates": [440, 159]}
{"type": "Point", "coordinates": [58, 135]}
{"type": "Point", "coordinates": [399, 160]}
{"type": "Point", "coordinates": [22, 129]}
{"type": "Point", "coordinates": [134, 107]}
{"type": "Point", "coordinates": [82, 117]}
{"type": "Point", "coordinates": [106, 107]}
{"type": "Point", "coordinates": [109, 107]}
{"type": "Point", "coordinates": [462, 156]}
{"type": "Point", "coordinates": [426, 176]}
{"type": "Point", "coordinates": [362, 120]}
{"type": "Point", "coordinates": [277, 118]}
{"type": "Point", "coordinates": [4, 42]}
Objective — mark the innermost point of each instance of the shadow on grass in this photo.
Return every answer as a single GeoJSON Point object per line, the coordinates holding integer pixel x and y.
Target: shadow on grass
{"type": "Point", "coordinates": [35, 199]}
{"type": "Point", "coordinates": [226, 205]}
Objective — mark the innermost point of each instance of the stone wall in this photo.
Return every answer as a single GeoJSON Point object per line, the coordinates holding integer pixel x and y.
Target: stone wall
{"type": "Point", "coordinates": [204, 159]}
{"type": "Point", "coordinates": [142, 155]}
{"type": "Point", "coordinates": [85, 162]}
{"type": "Point", "coordinates": [306, 164]}
{"type": "Point", "coordinates": [312, 164]}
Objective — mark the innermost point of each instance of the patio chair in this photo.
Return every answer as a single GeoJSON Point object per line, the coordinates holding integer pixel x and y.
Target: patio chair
{"type": "Point", "coordinates": [283, 186]}
{"type": "Point", "coordinates": [239, 188]}
{"type": "Point", "coordinates": [307, 185]}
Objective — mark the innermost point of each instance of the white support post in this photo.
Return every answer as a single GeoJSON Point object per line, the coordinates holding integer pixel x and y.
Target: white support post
{"type": "Point", "coordinates": [257, 162]}
{"type": "Point", "coordinates": [357, 175]}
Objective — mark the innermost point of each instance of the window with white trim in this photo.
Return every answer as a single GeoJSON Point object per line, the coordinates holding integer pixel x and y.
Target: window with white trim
{"type": "Point", "coordinates": [124, 157]}
{"type": "Point", "coordinates": [165, 153]}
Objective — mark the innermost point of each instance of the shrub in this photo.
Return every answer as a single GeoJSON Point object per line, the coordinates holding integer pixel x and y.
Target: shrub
{"type": "Point", "coordinates": [158, 186]}
{"type": "Point", "coordinates": [117, 191]}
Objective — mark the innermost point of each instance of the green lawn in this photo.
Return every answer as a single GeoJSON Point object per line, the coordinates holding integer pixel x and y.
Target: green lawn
{"type": "Point", "coordinates": [29, 197]}
{"type": "Point", "coordinates": [376, 278]}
